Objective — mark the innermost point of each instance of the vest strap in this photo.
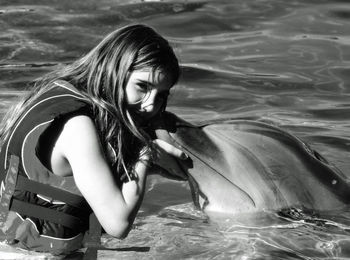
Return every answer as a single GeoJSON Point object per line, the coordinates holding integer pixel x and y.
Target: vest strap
{"type": "Point", "coordinates": [32, 210]}
{"type": "Point", "coordinates": [25, 184]}
{"type": "Point", "coordinates": [93, 236]}
{"type": "Point", "coordinates": [7, 192]}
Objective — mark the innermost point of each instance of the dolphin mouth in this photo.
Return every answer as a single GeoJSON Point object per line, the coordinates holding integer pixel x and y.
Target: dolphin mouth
{"type": "Point", "coordinates": [197, 194]}
{"type": "Point", "coordinates": [183, 166]}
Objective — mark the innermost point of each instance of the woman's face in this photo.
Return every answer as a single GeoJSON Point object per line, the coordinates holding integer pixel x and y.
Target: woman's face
{"type": "Point", "coordinates": [146, 92]}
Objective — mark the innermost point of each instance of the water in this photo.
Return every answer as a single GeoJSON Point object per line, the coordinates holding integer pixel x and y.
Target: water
{"type": "Point", "coordinates": [282, 62]}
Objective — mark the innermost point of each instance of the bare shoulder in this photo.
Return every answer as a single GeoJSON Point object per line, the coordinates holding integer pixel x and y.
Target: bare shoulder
{"type": "Point", "coordinates": [80, 122]}
{"type": "Point", "coordinates": [79, 137]}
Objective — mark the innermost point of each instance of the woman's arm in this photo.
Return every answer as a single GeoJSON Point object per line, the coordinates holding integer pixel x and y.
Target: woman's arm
{"type": "Point", "coordinates": [133, 191]}
{"type": "Point", "coordinates": [115, 209]}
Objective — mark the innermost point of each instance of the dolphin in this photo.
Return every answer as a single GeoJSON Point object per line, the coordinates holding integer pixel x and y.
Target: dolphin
{"type": "Point", "coordinates": [245, 166]}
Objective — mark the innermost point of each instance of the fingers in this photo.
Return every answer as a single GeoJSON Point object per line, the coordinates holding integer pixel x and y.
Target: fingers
{"type": "Point", "coordinates": [170, 149]}
{"type": "Point", "coordinates": [166, 156]}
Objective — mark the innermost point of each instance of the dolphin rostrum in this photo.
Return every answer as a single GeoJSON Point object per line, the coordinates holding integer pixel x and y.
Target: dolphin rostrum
{"type": "Point", "coordinates": [245, 166]}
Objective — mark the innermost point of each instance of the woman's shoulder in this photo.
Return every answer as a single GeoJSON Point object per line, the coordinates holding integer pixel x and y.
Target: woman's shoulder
{"type": "Point", "coordinates": [79, 136]}
{"type": "Point", "coordinates": [80, 124]}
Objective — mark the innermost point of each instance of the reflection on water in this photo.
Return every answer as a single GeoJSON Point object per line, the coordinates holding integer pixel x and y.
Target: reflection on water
{"type": "Point", "coordinates": [286, 63]}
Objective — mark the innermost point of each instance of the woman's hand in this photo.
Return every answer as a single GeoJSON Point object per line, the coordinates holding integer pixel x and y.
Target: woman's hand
{"type": "Point", "coordinates": [165, 157]}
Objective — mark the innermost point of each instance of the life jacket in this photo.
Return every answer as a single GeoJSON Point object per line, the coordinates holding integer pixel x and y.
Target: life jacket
{"type": "Point", "coordinates": [39, 210]}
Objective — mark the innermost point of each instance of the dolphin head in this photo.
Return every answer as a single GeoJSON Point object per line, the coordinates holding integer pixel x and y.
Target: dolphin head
{"type": "Point", "coordinates": [246, 166]}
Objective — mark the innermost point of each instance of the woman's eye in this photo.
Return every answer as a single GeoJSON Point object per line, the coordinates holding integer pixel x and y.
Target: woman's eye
{"type": "Point", "coordinates": [142, 87]}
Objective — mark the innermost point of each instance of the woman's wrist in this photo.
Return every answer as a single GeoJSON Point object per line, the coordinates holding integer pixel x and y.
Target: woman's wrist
{"type": "Point", "coordinates": [145, 157]}
{"type": "Point", "coordinates": [141, 166]}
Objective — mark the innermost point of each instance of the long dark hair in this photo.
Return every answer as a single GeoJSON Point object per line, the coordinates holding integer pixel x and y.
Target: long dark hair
{"type": "Point", "coordinates": [101, 76]}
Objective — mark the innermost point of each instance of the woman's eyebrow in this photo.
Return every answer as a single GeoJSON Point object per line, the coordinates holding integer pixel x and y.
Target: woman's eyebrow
{"type": "Point", "coordinates": [145, 82]}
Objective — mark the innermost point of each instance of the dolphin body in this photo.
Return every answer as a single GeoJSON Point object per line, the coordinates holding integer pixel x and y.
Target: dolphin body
{"type": "Point", "coordinates": [246, 166]}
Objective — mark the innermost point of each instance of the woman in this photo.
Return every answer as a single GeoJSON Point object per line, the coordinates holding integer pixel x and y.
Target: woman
{"type": "Point", "coordinates": [82, 131]}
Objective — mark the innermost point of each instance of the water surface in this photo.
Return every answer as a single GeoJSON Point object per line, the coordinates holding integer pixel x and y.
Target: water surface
{"type": "Point", "coordinates": [282, 62]}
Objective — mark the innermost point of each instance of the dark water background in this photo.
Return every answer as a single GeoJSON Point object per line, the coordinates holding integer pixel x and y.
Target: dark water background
{"type": "Point", "coordinates": [282, 62]}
